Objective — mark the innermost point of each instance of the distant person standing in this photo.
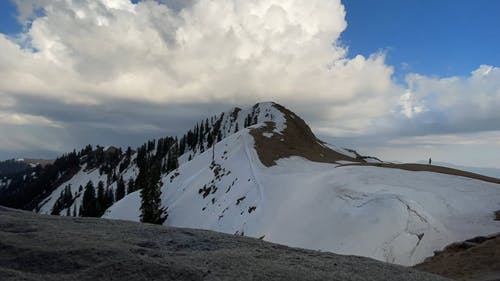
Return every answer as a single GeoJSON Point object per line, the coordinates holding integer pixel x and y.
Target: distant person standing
{"type": "Point", "coordinates": [430, 161]}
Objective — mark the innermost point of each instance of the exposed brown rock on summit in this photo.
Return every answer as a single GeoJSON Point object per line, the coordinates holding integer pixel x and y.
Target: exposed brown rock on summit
{"type": "Point", "coordinates": [296, 140]}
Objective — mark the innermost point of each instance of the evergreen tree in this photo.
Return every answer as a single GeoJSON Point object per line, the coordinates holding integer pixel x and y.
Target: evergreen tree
{"type": "Point", "coordinates": [219, 136]}
{"type": "Point", "coordinates": [182, 145]}
{"type": "Point", "coordinates": [151, 211]}
{"type": "Point", "coordinates": [210, 139]}
{"type": "Point", "coordinates": [190, 139]}
{"type": "Point", "coordinates": [110, 198]}
{"type": "Point", "coordinates": [64, 201]}
{"type": "Point", "coordinates": [249, 121]}
{"type": "Point", "coordinates": [68, 196]}
{"type": "Point", "coordinates": [151, 145]}
{"type": "Point", "coordinates": [120, 189]}
{"type": "Point", "coordinates": [202, 135]}
{"type": "Point", "coordinates": [101, 199]}
{"type": "Point", "coordinates": [172, 159]}
{"type": "Point", "coordinates": [196, 136]}
{"type": "Point", "coordinates": [175, 157]}
{"type": "Point", "coordinates": [130, 186]}
{"type": "Point", "coordinates": [128, 152]}
{"type": "Point", "coordinates": [109, 178]}
{"type": "Point", "coordinates": [88, 207]}
{"type": "Point", "coordinates": [74, 210]}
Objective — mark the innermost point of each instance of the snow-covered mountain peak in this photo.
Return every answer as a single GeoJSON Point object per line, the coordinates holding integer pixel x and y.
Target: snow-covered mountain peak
{"type": "Point", "coordinates": [273, 179]}
{"type": "Point", "coordinates": [262, 172]}
{"type": "Point", "coordinates": [278, 133]}
{"type": "Point", "coordinates": [255, 116]}
{"type": "Point", "coordinates": [274, 141]}
{"type": "Point", "coordinates": [387, 214]}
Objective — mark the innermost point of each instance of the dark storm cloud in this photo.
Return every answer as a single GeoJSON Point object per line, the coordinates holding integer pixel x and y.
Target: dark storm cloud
{"type": "Point", "coordinates": [118, 122]}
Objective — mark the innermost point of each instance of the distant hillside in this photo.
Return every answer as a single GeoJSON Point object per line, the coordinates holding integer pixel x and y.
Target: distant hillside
{"type": "Point", "coordinates": [12, 166]}
{"type": "Point", "coordinates": [490, 172]}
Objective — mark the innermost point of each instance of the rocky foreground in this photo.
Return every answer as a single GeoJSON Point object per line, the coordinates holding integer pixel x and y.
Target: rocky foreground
{"type": "Point", "coordinates": [39, 247]}
{"type": "Point", "coordinates": [474, 259]}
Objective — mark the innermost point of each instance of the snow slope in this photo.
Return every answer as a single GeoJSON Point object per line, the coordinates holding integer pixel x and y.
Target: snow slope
{"type": "Point", "coordinates": [229, 122]}
{"type": "Point", "coordinates": [391, 215]}
{"type": "Point", "coordinates": [81, 179]}
{"type": "Point", "coordinates": [388, 214]}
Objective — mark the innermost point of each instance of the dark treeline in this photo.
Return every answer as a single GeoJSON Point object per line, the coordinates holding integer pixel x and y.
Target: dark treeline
{"type": "Point", "coordinates": [153, 158]}
{"type": "Point", "coordinates": [202, 136]}
{"type": "Point", "coordinates": [26, 188]}
{"type": "Point", "coordinates": [12, 167]}
{"type": "Point", "coordinates": [96, 200]}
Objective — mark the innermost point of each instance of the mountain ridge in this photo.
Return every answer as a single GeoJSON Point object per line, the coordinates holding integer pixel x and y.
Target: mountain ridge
{"type": "Point", "coordinates": [261, 172]}
{"type": "Point", "coordinates": [296, 139]}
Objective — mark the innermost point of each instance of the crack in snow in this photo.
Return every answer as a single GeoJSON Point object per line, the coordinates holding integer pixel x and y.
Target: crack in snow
{"type": "Point", "coordinates": [411, 210]}
{"type": "Point", "coordinates": [414, 222]}
{"type": "Point", "coordinates": [422, 218]}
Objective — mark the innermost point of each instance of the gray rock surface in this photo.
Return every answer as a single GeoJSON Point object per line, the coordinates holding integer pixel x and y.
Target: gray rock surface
{"type": "Point", "coordinates": [38, 247]}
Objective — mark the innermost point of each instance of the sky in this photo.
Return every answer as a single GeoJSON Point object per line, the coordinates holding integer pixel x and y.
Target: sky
{"type": "Point", "coordinates": [400, 80]}
{"type": "Point", "coordinates": [435, 38]}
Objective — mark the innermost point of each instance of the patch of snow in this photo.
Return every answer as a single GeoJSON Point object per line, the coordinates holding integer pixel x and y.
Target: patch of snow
{"type": "Point", "coordinates": [81, 178]}
{"type": "Point", "coordinates": [339, 150]}
{"type": "Point", "coordinates": [345, 162]}
{"type": "Point", "coordinates": [372, 160]}
{"type": "Point", "coordinates": [267, 135]}
{"type": "Point", "coordinates": [183, 158]}
{"type": "Point", "coordinates": [5, 182]}
{"type": "Point", "coordinates": [131, 171]}
{"type": "Point", "coordinates": [126, 209]}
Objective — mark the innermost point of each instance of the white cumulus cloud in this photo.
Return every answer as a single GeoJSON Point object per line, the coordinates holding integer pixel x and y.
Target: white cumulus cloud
{"type": "Point", "coordinates": [460, 103]}
{"type": "Point", "coordinates": [82, 66]}
{"type": "Point", "coordinates": [208, 51]}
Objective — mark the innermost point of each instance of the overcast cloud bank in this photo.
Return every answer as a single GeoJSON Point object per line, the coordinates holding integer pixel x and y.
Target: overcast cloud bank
{"type": "Point", "coordinates": [114, 72]}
